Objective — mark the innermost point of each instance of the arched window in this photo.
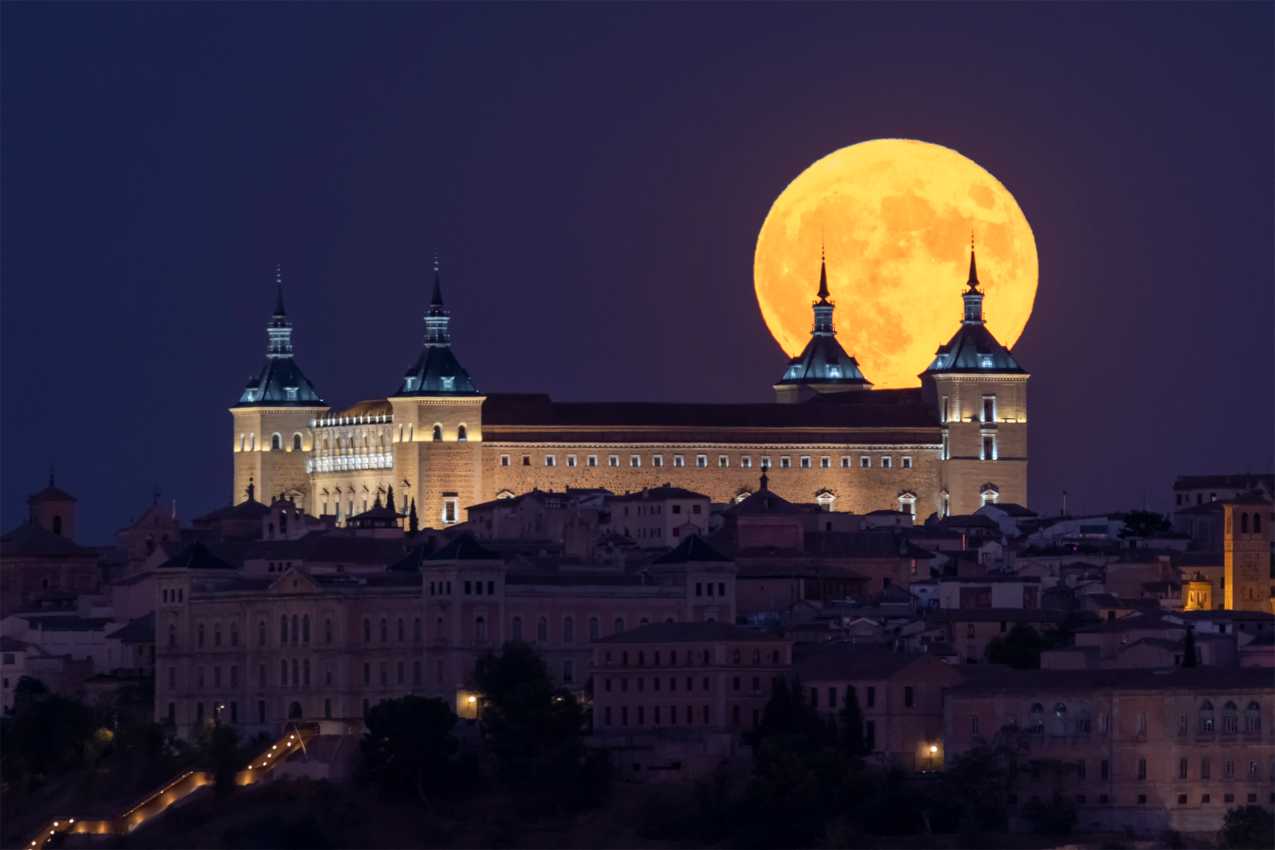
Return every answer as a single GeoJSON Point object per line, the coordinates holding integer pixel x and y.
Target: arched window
{"type": "Point", "coordinates": [1257, 523]}
{"type": "Point", "coordinates": [1060, 719]}
{"type": "Point", "coordinates": [276, 441]}
{"type": "Point", "coordinates": [385, 631]}
{"type": "Point", "coordinates": [594, 628]}
{"type": "Point", "coordinates": [367, 630]}
{"type": "Point", "coordinates": [172, 635]}
{"type": "Point", "coordinates": [296, 632]}
{"type": "Point", "coordinates": [568, 630]}
{"type": "Point", "coordinates": [296, 442]}
{"type": "Point", "coordinates": [619, 625]}
{"type": "Point", "coordinates": [1036, 724]}
{"type": "Point", "coordinates": [1230, 718]}
{"type": "Point", "coordinates": [305, 673]}
{"type": "Point", "coordinates": [1253, 716]}
{"type": "Point", "coordinates": [327, 630]}
{"type": "Point", "coordinates": [296, 677]}
{"type": "Point", "coordinates": [1243, 523]}
{"type": "Point", "coordinates": [542, 630]}
{"type": "Point", "coordinates": [515, 628]}
{"type": "Point", "coordinates": [261, 633]}
{"type": "Point", "coordinates": [462, 433]}
{"type": "Point", "coordinates": [305, 628]}
{"type": "Point", "coordinates": [283, 672]}
{"type": "Point", "coordinates": [438, 432]}
{"type": "Point", "coordinates": [283, 629]}
{"type": "Point", "coordinates": [480, 629]}
{"type": "Point", "coordinates": [216, 634]}
{"type": "Point", "coordinates": [416, 630]}
{"type": "Point", "coordinates": [402, 631]}
{"type": "Point", "coordinates": [1207, 721]}
{"type": "Point", "coordinates": [234, 634]}
{"type": "Point", "coordinates": [199, 632]}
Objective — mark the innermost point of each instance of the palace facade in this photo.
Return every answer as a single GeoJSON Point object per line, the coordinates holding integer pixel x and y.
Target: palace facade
{"type": "Point", "coordinates": [949, 446]}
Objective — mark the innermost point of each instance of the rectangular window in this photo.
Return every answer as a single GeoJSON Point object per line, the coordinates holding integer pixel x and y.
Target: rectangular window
{"type": "Point", "coordinates": [872, 696]}
{"type": "Point", "coordinates": [906, 462]}
{"type": "Point", "coordinates": [1104, 769]}
{"type": "Point", "coordinates": [865, 462]}
{"type": "Point", "coordinates": [945, 453]}
{"type": "Point", "coordinates": [746, 462]}
{"type": "Point", "coordinates": [526, 460]}
{"type": "Point", "coordinates": [785, 462]}
{"type": "Point", "coordinates": [657, 460]}
{"type": "Point", "coordinates": [805, 462]}
{"type": "Point", "coordinates": [591, 460]}
{"type": "Point", "coordinates": [1206, 769]}
{"type": "Point", "coordinates": [1183, 768]}
{"type": "Point", "coordinates": [679, 460]}
{"type": "Point", "coordinates": [504, 461]}
{"type": "Point", "coordinates": [613, 460]}
{"type": "Point", "coordinates": [635, 460]}
{"type": "Point", "coordinates": [571, 460]}
{"type": "Point", "coordinates": [825, 462]}
{"type": "Point", "coordinates": [1142, 769]}
{"type": "Point", "coordinates": [550, 460]}
{"type": "Point", "coordinates": [886, 462]}
{"type": "Point", "coordinates": [989, 447]}
{"type": "Point", "coordinates": [723, 461]}
{"type": "Point", "coordinates": [765, 462]}
{"type": "Point", "coordinates": [846, 462]}
{"type": "Point", "coordinates": [908, 696]}
{"type": "Point", "coordinates": [989, 408]}
{"type": "Point", "coordinates": [946, 409]}
{"type": "Point", "coordinates": [451, 510]}
{"type": "Point", "coordinates": [701, 461]}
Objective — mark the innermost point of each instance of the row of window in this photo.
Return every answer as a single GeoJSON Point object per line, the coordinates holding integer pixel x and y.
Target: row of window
{"type": "Point", "coordinates": [248, 442]}
{"type": "Point", "coordinates": [1062, 724]}
{"type": "Point", "coordinates": [986, 412]}
{"type": "Point", "coordinates": [723, 461]}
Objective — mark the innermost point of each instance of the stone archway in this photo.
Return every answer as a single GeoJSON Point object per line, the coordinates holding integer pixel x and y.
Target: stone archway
{"type": "Point", "coordinates": [294, 711]}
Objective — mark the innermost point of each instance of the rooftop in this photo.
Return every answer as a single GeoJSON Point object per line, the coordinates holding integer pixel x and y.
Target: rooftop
{"type": "Point", "coordinates": [690, 633]}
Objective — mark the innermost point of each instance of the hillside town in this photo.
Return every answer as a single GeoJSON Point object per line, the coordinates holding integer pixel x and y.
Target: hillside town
{"type": "Point", "coordinates": [1131, 653]}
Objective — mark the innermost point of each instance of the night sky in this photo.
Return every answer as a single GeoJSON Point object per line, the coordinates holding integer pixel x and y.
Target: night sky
{"type": "Point", "coordinates": [593, 178]}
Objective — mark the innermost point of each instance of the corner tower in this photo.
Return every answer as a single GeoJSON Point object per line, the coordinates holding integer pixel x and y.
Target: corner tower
{"type": "Point", "coordinates": [437, 425]}
{"type": "Point", "coordinates": [980, 392]}
{"type": "Point", "coordinates": [823, 365]}
{"type": "Point", "coordinates": [272, 420]}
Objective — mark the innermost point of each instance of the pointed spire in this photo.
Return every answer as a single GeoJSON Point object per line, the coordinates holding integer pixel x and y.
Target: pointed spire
{"type": "Point", "coordinates": [972, 283]}
{"type": "Point", "coordinates": [823, 276]}
{"type": "Point", "coordinates": [437, 299]}
{"type": "Point", "coordinates": [278, 281]}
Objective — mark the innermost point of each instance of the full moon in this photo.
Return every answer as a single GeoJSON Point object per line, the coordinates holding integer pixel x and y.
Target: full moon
{"type": "Point", "coordinates": [894, 218]}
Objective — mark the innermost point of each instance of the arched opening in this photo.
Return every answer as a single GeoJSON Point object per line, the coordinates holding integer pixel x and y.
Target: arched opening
{"type": "Point", "coordinates": [294, 711]}
{"type": "Point", "coordinates": [296, 442]}
{"type": "Point", "coordinates": [1243, 523]}
{"type": "Point", "coordinates": [57, 525]}
{"type": "Point", "coordinates": [438, 432]}
{"type": "Point", "coordinates": [276, 441]}
{"type": "Point", "coordinates": [1257, 523]}
{"type": "Point", "coordinates": [462, 433]}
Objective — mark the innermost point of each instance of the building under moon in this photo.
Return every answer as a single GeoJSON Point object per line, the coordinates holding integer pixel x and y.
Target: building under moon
{"type": "Point", "coordinates": [956, 442]}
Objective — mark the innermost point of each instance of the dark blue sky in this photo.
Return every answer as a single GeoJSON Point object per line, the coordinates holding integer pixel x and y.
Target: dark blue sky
{"type": "Point", "coordinates": [594, 177]}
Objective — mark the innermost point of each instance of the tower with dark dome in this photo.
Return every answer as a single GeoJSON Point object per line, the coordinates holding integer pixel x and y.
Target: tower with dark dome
{"type": "Point", "coordinates": [823, 366]}
{"type": "Point", "coordinates": [980, 391]}
{"type": "Point", "coordinates": [272, 419]}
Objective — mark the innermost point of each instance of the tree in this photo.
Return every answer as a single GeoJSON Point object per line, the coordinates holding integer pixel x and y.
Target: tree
{"type": "Point", "coordinates": [1248, 827]}
{"type": "Point", "coordinates": [1190, 658]}
{"type": "Point", "coordinates": [389, 499]}
{"type": "Point", "coordinates": [535, 731]}
{"type": "Point", "coordinates": [1021, 647]}
{"type": "Point", "coordinates": [413, 524]}
{"type": "Point", "coordinates": [1054, 817]}
{"type": "Point", "coordinates": [409, 747]}
{"type": "Point", "coordinates": [1144, 524]}
{"type": "Point", "coordinates": [221, 756]}
{"type": "Point", "coordinates": [853, 741]}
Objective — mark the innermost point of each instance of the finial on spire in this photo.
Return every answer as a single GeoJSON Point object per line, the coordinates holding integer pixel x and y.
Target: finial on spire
{"type": "Point", "coordinates": [823, 275]}
{"type": "Point", "coordinates": [278, 282]}
{"type": "Point", "coordinates": [972, 283]}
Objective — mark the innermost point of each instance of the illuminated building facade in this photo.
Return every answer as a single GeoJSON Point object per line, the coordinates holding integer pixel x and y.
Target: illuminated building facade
{"type": "Point", "coordinates": [957, 442]}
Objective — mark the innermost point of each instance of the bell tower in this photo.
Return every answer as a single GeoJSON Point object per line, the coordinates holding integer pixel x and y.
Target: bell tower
{"type": "Point", "coordinates": [980, 393]}
{"type": "Point", "coordinates": [1246, 553]}
{"type": "Point", "coordinates": [272, 432]}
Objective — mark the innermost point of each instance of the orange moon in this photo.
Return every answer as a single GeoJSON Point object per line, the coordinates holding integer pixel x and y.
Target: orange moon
{"type": "Point", "coordinates": [895, 218]}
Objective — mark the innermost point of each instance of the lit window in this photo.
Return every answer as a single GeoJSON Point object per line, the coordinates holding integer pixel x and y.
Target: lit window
{"type": "Point", "coordinates": [550, 460]}
{"type": "Point", "coordinates": [571, 460]}
{"type": "Point", "coordinates": [504, 460]}
{"type": "Point", "coordinates": [989, 408]}
{"type": "Point", "coordinates": [825, 463]}
{"type": "Point", "coordinates": [591, 460]}
{"type": "Point", "coordinates": [657, 460]}
{"type": "Point", "coordinates": [846, 462]}
{"type": "Point", "coordinates": [679, 460]}
{"type": "Point", "coordinates": [825, 500]}
{"type": "Point", "coordinates": [613, 460]}
{"type": "Point", "coordinates": [451, 510]}
{"type": "Point", "coordinates": [701, 461]}
{"type": "Point", "coordinates": [765, 462]}
{"type": "Point", "coordinates": [865, 462]}
{"type": "Point", "coordinates": [989, 497]}
{"type": "Point", "coordinates": [785, 462]}
{"type": "Point", "coordinates": [805, 462]}
{"type": "Point", "coordinates": [886, 462]}
{"type": "Point", "coordinates": [906, 462]}
{"type": "Point", "coordinates": [989, 447]}
{"type": "Point", "coordinates": [746, 462]}
{"type": "Point", "coordinates": [723, 461]}
{"type": "Point", "coordinates": [907, 504]}
{"type": "Point", "coordinates": [635, 460]}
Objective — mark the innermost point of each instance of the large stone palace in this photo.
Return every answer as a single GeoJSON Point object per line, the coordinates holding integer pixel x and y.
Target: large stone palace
{"type": "Point", "coordinates": [949, 446]}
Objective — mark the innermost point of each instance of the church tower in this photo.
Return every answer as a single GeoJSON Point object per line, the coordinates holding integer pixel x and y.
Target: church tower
{"type": "Point", "coordinates": [980, 393]}
{"type": "Point", "coordinates": [823, 365]}
{"type": "Point", "coordinates": [437, 425]}
{"type": "Point", "coordinates": [272, 420]}
{"type": "Point", "coordinates": [1246, 553]}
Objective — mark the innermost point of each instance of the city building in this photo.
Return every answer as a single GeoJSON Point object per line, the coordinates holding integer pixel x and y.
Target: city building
{"type": "Point", "coordinates": [40, 557]}
{"type": "Point", "coordinates": [950, 446]}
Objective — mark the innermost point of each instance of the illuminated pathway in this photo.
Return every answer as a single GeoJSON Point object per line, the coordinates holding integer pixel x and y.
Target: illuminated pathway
{"type": "Point", "coordinates": [181, 787]}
